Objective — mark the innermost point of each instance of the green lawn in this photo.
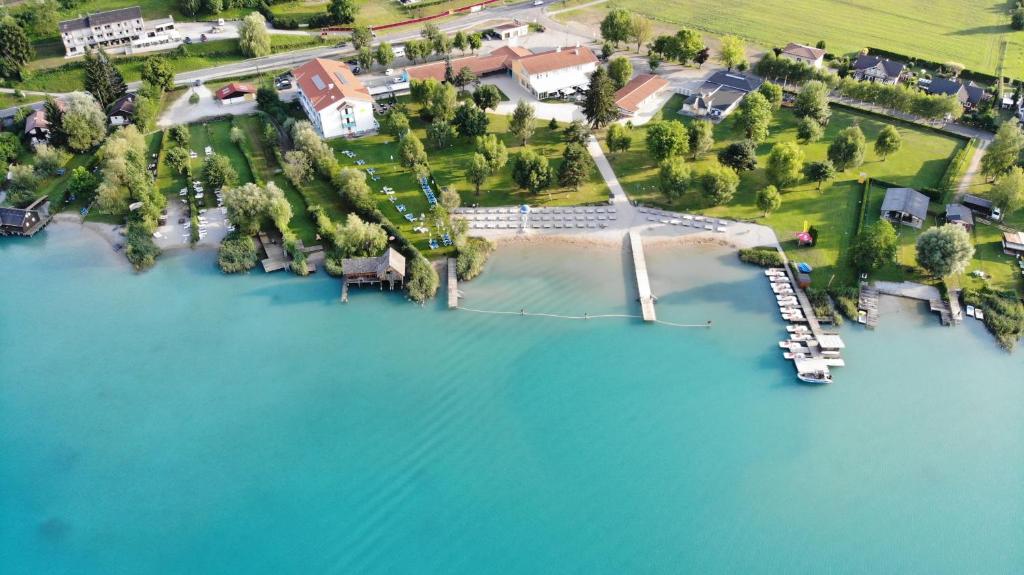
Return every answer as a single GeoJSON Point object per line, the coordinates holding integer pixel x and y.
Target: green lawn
{"type": "Point", "coordinates": [448, 169]}
{"type": "Point", "coordinates": [371, 12]}
{"type": "Point", "coordinates": [966, 31]}
{"type": "Point", "coordinates": [833, 211]}
{"type": "Point", "coordinates": [71, 76]}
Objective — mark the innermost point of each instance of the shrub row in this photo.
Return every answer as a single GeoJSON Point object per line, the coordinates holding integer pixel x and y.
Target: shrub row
{"type": "Point", "coordinates": [764, 257]}
{"type": "Point", "coordinates": [1004, 314]}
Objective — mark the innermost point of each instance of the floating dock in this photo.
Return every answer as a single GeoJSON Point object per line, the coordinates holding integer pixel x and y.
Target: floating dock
{"type": "Point", "coordinates": [453, 285]}
{"type": "Point", "coordinates": [643, 284]}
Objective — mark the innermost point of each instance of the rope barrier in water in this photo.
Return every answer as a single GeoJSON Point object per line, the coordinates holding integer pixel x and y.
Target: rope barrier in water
{"type": "Point", "coordinates": [586, 316]}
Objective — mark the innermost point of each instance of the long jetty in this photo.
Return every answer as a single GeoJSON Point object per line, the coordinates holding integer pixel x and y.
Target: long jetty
{"type": "Point", "coordinates": [453, 285]}
{"type": "Point", "coordinates": [643, 283]}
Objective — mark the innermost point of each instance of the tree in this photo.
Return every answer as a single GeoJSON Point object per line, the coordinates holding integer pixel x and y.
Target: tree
{"type": "Point", "coordinates": [768, 200]}
{"type": "Point", "coordinates": [365, 57]}
{"type": "Point", "coordinates": [246, 205]}
{"type": "Point", "coordinates": [487, 97]}
{"type": "Point", "coordinates": [812, 102]}
{"type": "Point", "coordinates": [342, 11]}
{"type": "Point", "coordinates": [442, 102]}
{"type": "Point", "coordinates": [688, 46]}
{"type": "Point", "coordinates": [82, 183]}
{"type": "Point", "coordinates": [384, 54]}
{"type": "Point", "coordinates": [522, 123]}
{"type": "Point", "coordinates": [575, 167]}
{"type": "Point", "coordinates": [411, 153]}
{"type": "Point", "coordinates": [702, 138]}
{"type": "Point", "coordinates": [607, 50]}
{"type": "Point", "coordinates": [478, 171]}
{"type": "Point", "coordinates": [361, 36]}
{"type": "Point", "coordinates": [179, 135]}
{"type": "Point", "coordinates": [422, 280]}
{"type": "Point", "coordinates": [236, 135]}
{"type": "Point", "coordinates": [440, 133]}
{"type": "Point", "coordinates": [754, 116]}
{"type": "Point", "coordinates": [191, 7]}
{"type": "Point", "coordinates": [493, 150]}
{"type": "Point", "coordinates": [471, 121]}
{"type": "Point", "coordinates": [460, 41]}
{"type": "Point", "coordinates": [1004, 151]}
{"type": "Point", "coordinates": [218, 173]}
{"type": "Point", "coordinates": [475, 42]}
{"type": "Point", "coordinates": [702, 56]}
{"type": "Point", "coordinates": [297, 167]}
{"type": "Point", "coordinates": [213, 6]}
{"type": "Point", "coordinates": [739, 156]}
{"type": "Point", "coordinates": [22, 183]}
{"type": "Point", "coordinates": [82, 121]}
{"type": "Point", "coordinates": [673, 177]}
{"type": "Point", "coordinates": [442, 44]}
{"type": "Point", "coordinates": [666, 139]}
{"type": "Point", "coordinates": [253, 38]}
{"type": "Point", "coordinates": [719, 184]}
{"type": "Point", "coordinates": [530, 171]}
{"type": "Point", "coordinates": [617, 25]}
{"type": "Point", "coordinates": [620, 71]}
{"type": "Point", "coordinates": [733, 52]}
{"type": "Point", "coordinates": [177, 159]}
{"type": "Point", "coordinates": [1017, 19]}
{"type": "Point", "coordinates": [847, 149]}
{"type": "Point", "coordinates": [785, 164]}
{"type": "Point", "coordinates": [15, 49]}
{"type": "Point", "coordinates": [395, 123]}
{"type": "Point", "coordinates": [640, 31]}
{"type": "Point", "coordinates": [599, 106]}
{"type": "Point", "coordinates": [102, 79]}
{"type": "Point", "coordinates": [464, 78]}
{"type": "Point", "coordinates": [577, 132]}
{"type": "Point", "coordinates": [1008, 191]}
{"type": "Point", "coordinates": [157, 72]}
{"type": "Point", "coordinates": [874, 247]}
{"type": "Point", "coordinates": [820, 172]}
{"type": "Point", "coordinates": [48, 159]}
{"type": "Point", "coordinates": [10, 147]}
{"type": "Point", "coordinates": [808, 130]}
{"type": "Point", "coordinates": [653, 61]}
{"type": "Point", "coordinates": [237, 253]}
{"type": "Point", "coordinates": [888, 141]}
{"type": "Point", "coordinates": [772, 93]}
{"type": "Point", "coordinates": [944, 250]}
{"type": "Point", "coordinates": [619, 137]}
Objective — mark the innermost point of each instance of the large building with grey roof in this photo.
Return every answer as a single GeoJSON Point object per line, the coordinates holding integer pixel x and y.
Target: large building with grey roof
{"type": "Point", "coordinates": [121, 30]}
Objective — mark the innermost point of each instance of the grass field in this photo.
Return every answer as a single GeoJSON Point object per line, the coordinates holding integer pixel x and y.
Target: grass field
{"type": "Point", "coordinates": [204, 55]}
{"type": "Point", "coordinates": [833, 211]}
{"type": "Point", "coordinates": [966, 31]}
{"type": "Point", "coordinates": [448, 169]}
{"type": "Point", "coordinates": [371, 12]}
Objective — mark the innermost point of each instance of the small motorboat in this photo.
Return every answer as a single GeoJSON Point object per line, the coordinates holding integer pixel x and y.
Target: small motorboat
{"type": "Point", "coordinates": [970, 311]}
{"type": "Point", "coordinates": [978, 313]}
{"type": "Point", "coordinates": [791, 355]}
{"type": "Point", "coordinates": [862, 316]}
{"type": "Point", "coordinates": [797, 329]}
{"type": "Point", "coordinates": [820, 376]}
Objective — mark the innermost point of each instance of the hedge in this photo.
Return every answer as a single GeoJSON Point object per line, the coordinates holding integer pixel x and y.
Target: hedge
{"type": "Point", "coordinates": [764, 257]}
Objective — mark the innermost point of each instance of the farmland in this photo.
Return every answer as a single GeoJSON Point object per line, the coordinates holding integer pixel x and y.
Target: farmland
{"type": "Point", "coordinates": [966, 31]}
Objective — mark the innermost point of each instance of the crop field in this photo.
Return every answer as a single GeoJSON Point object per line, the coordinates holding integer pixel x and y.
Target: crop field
{"type": "Point", "coordinates": [966, 31]}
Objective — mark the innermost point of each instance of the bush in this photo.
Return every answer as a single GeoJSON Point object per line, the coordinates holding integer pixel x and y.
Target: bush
{"type": "Point", "coordinates": [846, 299]}
{"type": "Point", "coordinates": [1004, 314]}
{"type": "Point", "coordinates": [472, 258]}
{"type": "Point", "coordinates": [141, 250]}
{"type": "Point", "coordinates": [237, 254]}
{"type": "Point", "coordinates": [764, 257]}
{"type": "Point", "coordinates": [422, 280]}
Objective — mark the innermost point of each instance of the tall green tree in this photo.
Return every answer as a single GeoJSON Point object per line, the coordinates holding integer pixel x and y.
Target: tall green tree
{"type": "Point", "coordinates": [617, 25]}
{"type": "Point", "coordinates": [640, 31]}
{"type": "Point", "coordinates": [888, 141]}
{"type": "Point", "coordinates": [673, 177]}
{"type": "Point", "coordinates": [102, 79]}
{"type": "Point", "coordinates": [493, 149]}
{"type": "Point", "coordinates": [785, 164]}
{"type": "Point", "coordinates": [575, 167]}
{"type": "Point", "coordinates": [487, 97]}
{"type": "Point", "coordinates": [755, 116]}
{"type": "Point", "coordinates": [689, 44]}
{"type": "Point", "coordinates": [55, 117]}
{"type": "Point", "coordinates": [599, 106]}
{"type": "Point", "coordinates": [531, 171]}
{"type": "Point", "coordinates": [471, 121]}
{"type": "Point", "coordinates": [157, 72]}
{"type": "Point", "coordinates": [719, 184]}
{"type": "Point", "coordinates": [361, 36]}
{"type": "Point", "coordinates": [619, 137]}
{"type": "Point", "coordinates": [343, 11]}
{"type": "Point", "coordinates": [666, 139]}
{"type": "Point", "coordinates": [847, 149]}
{"type": "Point", "coordinates": [522, 123]}
{"type": "Point", "coordinates": [812, 102]}
{"type": "Point", "coordinates": [1004, 151]}
{"type": "Point", "coordinates": [15, 49]}
{"type": "Point", "coordinates": [944, 250]}
{"type": "Point", "coordinates": [83, 122]}
{"type": "Point", "coordinates": [218, 172]}
{"type": "Point", "coordinates": [702, 138]}
{"type": "Point", "coordinates": [577, 133]}
{"type": "Point", "coordinates": [819, 172]}
{"type": "Point", "coordinates": [460, 41]}
{"type": "Point", "coordinates": [772, 93]}
{"type": "Point", "coordinates": [365, 57]}
{"type": "Point", "coordinates": [739, 156]}
{"type": "Point", "coordinates": [478, 170]}
{"type": "Point", "coordinates": [440, 133]}
{"type": "Point", "coordinates": [620, 71]}
{"type": "Point", "coordinates": [808, 130]}
{"type": "Point", "coordinates": [733, 52]}
{"type": "Point", "coordinates": [253, 37]}
{"type": "Point", "coordinates": [384, 54]}
{"type": "Point", "coordinates": [411, 153]}
{"type": "Point", "coordinates": [874, 247]}
{"type": "Point", "coordinates": [769, 199]}
{"type": "Point", "coordinates": [1008, 191]}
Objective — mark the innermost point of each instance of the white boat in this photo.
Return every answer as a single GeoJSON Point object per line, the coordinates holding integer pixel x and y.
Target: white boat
{"type": "Point", "coordinates": [818, 377]}
{"type": "Point", "coordinates": [978, 313]}
{"type": "Point", "coordinates": [862, 316]}
{"type": "Point", "coordinates": [970, 311]}
{"type": "Point", "coordinates": [790, 355]}
{"type": "Point", "coordinates": [797, 329]}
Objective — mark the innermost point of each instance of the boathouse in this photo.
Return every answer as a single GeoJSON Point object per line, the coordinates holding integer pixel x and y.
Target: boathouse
{"type": "Point", "coordinates": [387, 268]}
{"type": "Point", "coordinates": [27, 221]}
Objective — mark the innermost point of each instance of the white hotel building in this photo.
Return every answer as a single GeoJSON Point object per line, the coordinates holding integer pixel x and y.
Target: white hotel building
{"type": "Point", "coordinates": [336, 102]}
{"type": "Point", "coordinates": [116, 31]}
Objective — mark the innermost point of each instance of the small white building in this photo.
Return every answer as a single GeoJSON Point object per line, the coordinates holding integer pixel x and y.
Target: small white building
{"type": "Point", "coordinates": [809, 55]}
{"type": "Point", "coordinates": [550, 73]}
{"type": "Point", "coordinates": [335, 101]}
{"type": "Point", "coordinates": [512, 30]}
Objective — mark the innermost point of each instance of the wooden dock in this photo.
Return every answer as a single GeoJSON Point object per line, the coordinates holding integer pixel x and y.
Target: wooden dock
{"type": "Point", "coordinates": [643, 283]}
{"type": "Point", "coordinates": [453, 285]}
{"type": "Point", "coordinates": [867, 302]}
{"type": "Point", "coordinates": [920, 292]}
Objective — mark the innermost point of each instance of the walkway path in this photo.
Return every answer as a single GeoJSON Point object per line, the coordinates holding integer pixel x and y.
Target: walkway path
{"type": "Point", "coordinates": [973, 169]}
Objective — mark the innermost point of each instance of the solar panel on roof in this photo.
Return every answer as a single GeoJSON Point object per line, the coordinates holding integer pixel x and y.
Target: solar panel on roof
{"type": "Point", "coordinates": [318, 82]}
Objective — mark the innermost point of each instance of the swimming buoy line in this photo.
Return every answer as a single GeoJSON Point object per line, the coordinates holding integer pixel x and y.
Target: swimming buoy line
{"type": "Point", "coordinates": [525, 313]}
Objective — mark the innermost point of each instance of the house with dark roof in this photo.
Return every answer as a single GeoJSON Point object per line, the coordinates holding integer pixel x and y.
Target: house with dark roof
{"type": "Point", "coordinates": [905, 206]}
{"type": "Point", "coordinates": [809, 55]}
{"type": "Point", "coordinates": [877, 69]}
{"type": "Point", "coordinates": [122, 111]}
{"type": "Point", "coordinates": [112, 28]}
{"type": "Point", "coordinates": [37, 129]}
{"type": "Point", "coordinates": [978, 204]}
{"type": "Point", "coordinates": [720, 94]}
{"type": "Point", "coordinates": [335, 101]}
{"type": "Point", "coordinates": [388, 268]}
{"type": "Point", "coordinates": [1013, 244]}
{"type": "Point", "coordinates": [25, 221]}
{"type": "Point", "coordinates": [969, 95]}
{"type": "Point", "coordinates": [235, 93]}
{"type": "Point", "coordinates": [959, 214]}
{"type": "Point", "coordinates": [639, 93]}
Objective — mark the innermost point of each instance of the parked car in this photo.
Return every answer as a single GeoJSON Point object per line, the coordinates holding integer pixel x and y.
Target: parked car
{"type": "Point", "coordinates": [202, 38]}
{"type": "Point", "coordinates": [356, 70]}
{"type": "Point", "coordinates": [389, 72]}
{"type": "Point", "coordinates": [997, 214]}
{"type": "Point", "coordinates": [188, 39]}
{"type": "Point", "coordinates": [538, 2]}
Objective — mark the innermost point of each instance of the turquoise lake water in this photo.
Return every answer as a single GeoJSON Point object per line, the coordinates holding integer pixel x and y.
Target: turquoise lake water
{"type": "Point", "coordinates": [182, 421]}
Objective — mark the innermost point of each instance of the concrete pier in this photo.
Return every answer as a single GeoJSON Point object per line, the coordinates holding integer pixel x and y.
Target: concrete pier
{"type": "Point", "coordinates": [643, 284]}
{"type": "Point", "coordinates": [453, 285]}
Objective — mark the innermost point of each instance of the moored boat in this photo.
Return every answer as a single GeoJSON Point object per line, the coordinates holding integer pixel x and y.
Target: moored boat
{"type": "Point", "coordinates": [818, 377]}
